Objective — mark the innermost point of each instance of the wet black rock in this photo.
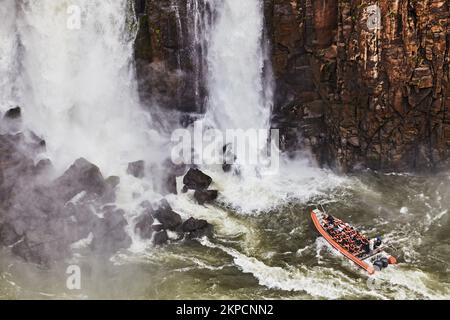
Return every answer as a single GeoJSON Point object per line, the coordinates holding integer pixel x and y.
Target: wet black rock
{"type": "Point", "coordinates": [41, 247]}
{"type": "Point", "coordinates": [113, 181]}
{"type": "Point", "coordinates": [196, 180]}
{"type": "Point", "coordinates": [226, 167]}
{"type": "Point", "coordinates": [41, 219]}
{"type": "Point", "coordinates": [160, 238]}
{"type": "Point", "coordinates": [196, 228]}
{"type": "Point", "coordinates": [82, 213]}
{"type": "Point", "coordinates": [229, 158]}
{"type": "Point", "coordinates": [8, 236]}
{"type": "Point", "coordinates": [108, 239]}
{"type": "Point", "coordinates": [42, 166]}
{"type": "Point", "coordinates": [139, 7]}
{"type": "Point", "coordinates": [169, 219]}
{"type": "Point", "coordinates": [169, 185]}
{"type": "Point", "coordinates": [205, 196]}
{"type": "Point", "coordinates": [29, 252]}
{"type": "Point", "coordinates": [144, 226]}
{"type": "Point", "coordinates": [137, 169]}
{"type": "Point", "coordinates": [81, 176]}
{"type": "Point", "coordinates": [13, 113]}
{"type": "Point", "coordinates": [36, 143]}
{"type": "Point", "coordinates": [114, 218]}
{"type": "Point", "coordinates": [157, 227]}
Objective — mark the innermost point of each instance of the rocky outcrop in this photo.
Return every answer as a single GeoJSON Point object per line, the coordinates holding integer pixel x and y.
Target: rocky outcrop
{"type": "Point", "coordinates": [361, 92]}
{"type": "Point", "coordinates": [158, 219]}
{"type": "Point", "coordinates": [169, 59]}
{"type": "Point", "coordinates": [136, 169]}
{"type": "Point", "coordinates": [40, 220]}
{"type": "Point", "coordinates": [196, 228]}
{"type": "Point", "coordinates": [357, 92]}
{"type": "Point", "coordinates": [205, 196]}
{"type": "Point", "coordinates": [196, 180]}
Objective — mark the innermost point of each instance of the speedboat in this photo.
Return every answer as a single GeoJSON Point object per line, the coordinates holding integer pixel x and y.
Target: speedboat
{"type": "Point", "coordinates": [369, 254]}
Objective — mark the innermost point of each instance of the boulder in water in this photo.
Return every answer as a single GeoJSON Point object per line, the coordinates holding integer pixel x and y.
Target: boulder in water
{"type": "Point", "coordinates": [8, 235]}
{"type": "Point", "coordinates": [144, 226]}
{"type": "Point", "coordinates": [113, 181]}
{"type": "Point", "coordinates": [196, 228]}
{"type": "Point", "coordinates": [114, 218]}
{"type": "Point", "coordinates": [169, 185]}
{"type": "Point", "coordinates": [156, 226]}
{"type": "Point", "coordinates": [160, 238]}
{"type": "Point", "coordinates": [205, 196]}
{"type": "Point", "coordinates": [81, 176]}
{"type": "Point", "coordinates": [29, 252]}
{"type": "Point", "coordinates": [13, 113]}
{"type": "Point", "coordinates": [196, 180]}
{"type": "Point", "coordinates": [169, 219]}
{"type": "Point", "coordinates": [137, 169]}
{"type": "Point", "coordinates": [108, 238]}
{"type": "Point", "coordinates": [43, 166]}
{"type": "Point", "coordinates": [226, 167]}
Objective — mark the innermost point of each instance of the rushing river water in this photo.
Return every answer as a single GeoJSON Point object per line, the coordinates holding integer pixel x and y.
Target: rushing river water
{"type": "Point", "coordinates": [276, 254]}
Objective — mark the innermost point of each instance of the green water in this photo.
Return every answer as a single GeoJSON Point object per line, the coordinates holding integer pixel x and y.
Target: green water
{"type": "Point", "coordinates": [276, 254]}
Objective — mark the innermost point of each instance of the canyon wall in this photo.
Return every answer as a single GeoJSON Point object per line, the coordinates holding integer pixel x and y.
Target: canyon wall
{"type": "Point", "coordinates": [363, 93]}
{"type": "Point", "coordinates": [356, 91]}
{"type": "Point", "coordinates": [168, 56]}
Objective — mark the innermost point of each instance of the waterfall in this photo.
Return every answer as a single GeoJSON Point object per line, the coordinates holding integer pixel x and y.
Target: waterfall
{"type": "Point", "coordinates": [8, 54]}
{"type": "Point", "coordinates": [78, 86]}
{"type": "Point", "coordinates": [199, 26]}
{"type": "Point", "coordinates": [236, 60]}
{"type": "Point", "coordinates": [230, 53]}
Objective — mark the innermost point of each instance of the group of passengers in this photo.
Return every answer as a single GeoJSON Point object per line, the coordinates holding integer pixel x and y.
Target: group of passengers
{"type": "Point", "coordinates": [349, 238]}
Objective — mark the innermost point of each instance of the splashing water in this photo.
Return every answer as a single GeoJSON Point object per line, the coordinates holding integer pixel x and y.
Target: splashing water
{"type": "Point", "coordinates": [8, 53]}
{"type": "Point", "coordinates": [236, 61]}
{"type": "Point", "coordinates": [78, 89]}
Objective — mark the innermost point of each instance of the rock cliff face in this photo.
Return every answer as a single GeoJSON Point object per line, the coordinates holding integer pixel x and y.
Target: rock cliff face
{"type": "Point", "coordinates": [362, 92]}
{"type": "Point", "coordinates": [169, 54]}
{"type": "Point", "coordinates": [363, 84]}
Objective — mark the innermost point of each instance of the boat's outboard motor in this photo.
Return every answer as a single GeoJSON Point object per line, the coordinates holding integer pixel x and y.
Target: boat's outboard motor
{"type": "Point", "coordinates": [378, 265]}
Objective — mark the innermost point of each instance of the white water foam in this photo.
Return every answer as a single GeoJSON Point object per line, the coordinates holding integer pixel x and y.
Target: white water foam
{"type": "Point", "coordinates": [8, 55]}
{"type": "Point", "coordinates": [240, 97]}
{"type": "Point", "coordinates": [328, 285]}
{"type": "Point", "coordinates": [79, 88]}
{"type": "Point", "coordinates": [296, 181]}
{"type": "Point", "coordinates": [236, 61]}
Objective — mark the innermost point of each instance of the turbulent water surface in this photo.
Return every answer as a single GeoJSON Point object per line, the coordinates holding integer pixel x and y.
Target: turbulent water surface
{"type": "Point", "coordinates": [78, 91]}
{"type": "Point", "coordinates": [277, 254]}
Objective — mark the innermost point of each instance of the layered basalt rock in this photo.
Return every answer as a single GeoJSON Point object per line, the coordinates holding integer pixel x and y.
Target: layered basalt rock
{"type": "Point", "coordinates": [357, 95]}
{"type": "Point", "coordinates": [169, 59]}
{"type": "Point", "coordinates": [362, 95]}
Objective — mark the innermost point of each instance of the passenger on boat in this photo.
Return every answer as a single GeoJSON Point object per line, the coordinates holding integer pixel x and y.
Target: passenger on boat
{"type": "Point", "coordinates": [373, 244]}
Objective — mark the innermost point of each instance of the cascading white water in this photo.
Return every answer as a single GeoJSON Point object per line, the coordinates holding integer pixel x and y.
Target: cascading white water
{"type": "Point", "coordinates": [79, 92]}
{"type": "Point", "coordinates": [228, 36]}
{"type": "Point", "coordinates": [8, 54]}
{"type": "Point", "coordinates": [240, 97]}
{"type": "Point", "coordinates": [199, 25]}
{"type": "Point", "coordinates": [236, 66]}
